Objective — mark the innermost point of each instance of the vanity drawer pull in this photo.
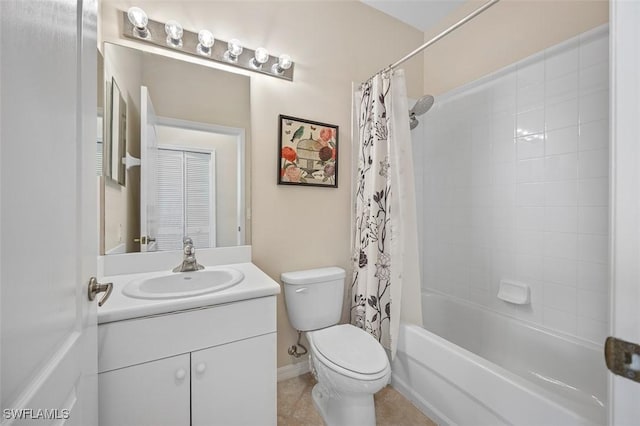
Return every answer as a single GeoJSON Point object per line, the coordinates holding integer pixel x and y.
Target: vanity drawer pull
{"type": "Point", "coordinates": [201, 367]}
{"type": "Point", "coordinates": [181, 374]}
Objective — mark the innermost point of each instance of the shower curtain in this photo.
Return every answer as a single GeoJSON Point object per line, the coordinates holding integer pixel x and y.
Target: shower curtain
{"type": "Point", "coordinates": [384, 223]}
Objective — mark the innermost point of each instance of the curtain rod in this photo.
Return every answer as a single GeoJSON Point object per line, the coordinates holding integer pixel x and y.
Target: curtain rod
{"type": "Point", "coordinates": [461, 22]}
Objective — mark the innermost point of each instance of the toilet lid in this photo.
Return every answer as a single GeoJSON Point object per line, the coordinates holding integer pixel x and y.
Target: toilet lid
{"type": "Point", "coordinates": [351, 348]}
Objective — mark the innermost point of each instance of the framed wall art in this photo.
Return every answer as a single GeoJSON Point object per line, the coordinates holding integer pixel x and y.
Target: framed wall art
{"type": "Point", "coordinates": [114, 149]}
{"type": "Point", "coordinates": [307, 152]}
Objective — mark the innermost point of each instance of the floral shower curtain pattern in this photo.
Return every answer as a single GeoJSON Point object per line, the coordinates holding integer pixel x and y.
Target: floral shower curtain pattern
{"type": "Point", "coordinates": [383, 135]}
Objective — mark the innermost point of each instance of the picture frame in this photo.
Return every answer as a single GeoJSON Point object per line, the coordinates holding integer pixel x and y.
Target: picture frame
{"type": "Point", "coordinates": [106, 132]}
{"type": "Point", "coordinates": [115, 135]}
{"type": "Point", "coordinates": [307, 152]}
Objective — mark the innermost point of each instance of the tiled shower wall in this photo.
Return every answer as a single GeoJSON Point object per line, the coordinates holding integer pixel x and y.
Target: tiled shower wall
{"type": "Point", "coordinates": [512, 179]}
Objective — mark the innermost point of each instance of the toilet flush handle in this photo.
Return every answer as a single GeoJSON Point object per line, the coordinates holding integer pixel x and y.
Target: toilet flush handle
{"type": "Point", "coordinates": [301, 290]}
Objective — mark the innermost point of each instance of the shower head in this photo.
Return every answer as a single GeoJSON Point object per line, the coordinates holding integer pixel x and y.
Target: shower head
{"type": "Point", "coordinates": [413, 122]}
{"type": "Point", "coordinates": [422, 105]}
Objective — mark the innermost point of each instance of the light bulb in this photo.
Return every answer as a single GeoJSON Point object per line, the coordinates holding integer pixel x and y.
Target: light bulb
{"type": "Point", "coordinates": [261, 56]}
{"type": "Point", "coordinates": [284, 63]}
{"type": "Point", "coordinates": [205, 42]}
{"type": "Point", "coordinates": [139, 20]}
{"type": "Point", "coordinates": [174, 33]}
{"type": "Point", "coordinates": [234, 50]}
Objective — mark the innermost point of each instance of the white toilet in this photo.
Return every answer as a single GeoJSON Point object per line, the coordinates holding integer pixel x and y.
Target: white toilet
{"type": "Point", "coordinates": [349, 364]}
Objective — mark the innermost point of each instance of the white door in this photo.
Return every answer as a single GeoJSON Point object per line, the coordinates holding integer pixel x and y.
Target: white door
{"type": "Point", "coordinates": [48, 211]}
{"type": "Point", "coordinates": [148, 164]}
{"type": "Point", "coordinates": [625, 130]}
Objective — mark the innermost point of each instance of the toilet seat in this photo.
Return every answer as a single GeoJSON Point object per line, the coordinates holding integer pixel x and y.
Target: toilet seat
{"type": "Point", "coordinates": [350, 351]}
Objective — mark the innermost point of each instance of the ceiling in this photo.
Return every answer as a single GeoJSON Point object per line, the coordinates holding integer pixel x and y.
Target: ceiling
{"type": "Point", "coordinates": [420, 14]}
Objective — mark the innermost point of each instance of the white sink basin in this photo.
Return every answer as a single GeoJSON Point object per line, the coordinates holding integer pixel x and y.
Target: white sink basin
{"type": "Point", "coordinates": [175, 285]}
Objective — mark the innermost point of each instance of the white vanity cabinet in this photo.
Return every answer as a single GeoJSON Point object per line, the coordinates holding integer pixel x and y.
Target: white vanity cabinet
{"type": "Point", "coordinates": [155, 392]}
{"type": "Point", "coordinates": [202, 366]}
{"type": "Point", "coordinates": [239, 401]}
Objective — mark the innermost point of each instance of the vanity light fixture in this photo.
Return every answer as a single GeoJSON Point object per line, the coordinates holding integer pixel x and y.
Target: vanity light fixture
{"type": "Point", "coordinates": [205, 42]}
{"type": "Point", "coordinates": [283, 64]}
{"type": "Point", "coordinates": [202, 44]}
{"type": "Point", "coordinates": [139, 20]}
{"type": "Point", "coordinates": [234, 50]}
{"type": "Point", "coordinates": [260, 57]}
{"type": "Point", "coordinates": [174, 31]}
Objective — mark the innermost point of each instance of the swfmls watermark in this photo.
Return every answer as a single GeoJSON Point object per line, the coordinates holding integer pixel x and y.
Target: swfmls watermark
{"type": "Point", "coordinates": [35, 414]}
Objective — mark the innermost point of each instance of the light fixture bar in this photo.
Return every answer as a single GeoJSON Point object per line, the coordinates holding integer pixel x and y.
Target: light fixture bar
{"type": "Point", "coordinates": [156, 36]}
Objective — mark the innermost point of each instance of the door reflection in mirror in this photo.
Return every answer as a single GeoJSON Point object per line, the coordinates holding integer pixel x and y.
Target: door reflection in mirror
{"type": "Point", "coordinates": [192, 161]}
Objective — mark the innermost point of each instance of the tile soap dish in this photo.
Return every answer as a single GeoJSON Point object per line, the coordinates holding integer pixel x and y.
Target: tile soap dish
{"type": "Point", "coordinates": [514, 292]}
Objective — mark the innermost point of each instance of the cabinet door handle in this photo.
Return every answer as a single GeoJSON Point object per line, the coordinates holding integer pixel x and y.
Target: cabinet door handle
{"type": "Point", "coordinates": [181, 374]}
{"type": "Point", "coordinates": [201, 367]}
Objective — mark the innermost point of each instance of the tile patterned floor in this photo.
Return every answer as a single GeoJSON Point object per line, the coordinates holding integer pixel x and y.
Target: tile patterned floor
{"type": "Point", "coordinates": [295, 406]}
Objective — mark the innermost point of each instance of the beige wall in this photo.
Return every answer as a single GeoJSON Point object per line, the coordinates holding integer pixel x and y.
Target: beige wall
{"type": "Point", "coordinates": [507, 32]}
{"type": "Point", "coordinates": [333, 44]}
{"type": "Point", "coordinates": [100, 80]}
{"type": "Point", "coordinates": [190, 92]}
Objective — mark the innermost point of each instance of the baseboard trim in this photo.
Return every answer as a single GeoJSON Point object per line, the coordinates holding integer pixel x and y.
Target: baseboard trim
{"type": "Point", "coordinates": [293, 370]}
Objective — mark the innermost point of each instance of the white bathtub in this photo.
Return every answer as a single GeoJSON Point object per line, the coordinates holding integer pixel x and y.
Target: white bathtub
{"type": "Point", "coordinates": [476, 367]}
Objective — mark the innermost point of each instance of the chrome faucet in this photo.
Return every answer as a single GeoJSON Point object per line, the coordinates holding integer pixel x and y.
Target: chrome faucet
{"type": "Point", "coordinates": [189, 262]}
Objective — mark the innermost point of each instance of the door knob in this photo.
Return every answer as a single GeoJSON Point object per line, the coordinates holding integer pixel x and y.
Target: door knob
{"type": "Point", "coordinates": [95, 287]}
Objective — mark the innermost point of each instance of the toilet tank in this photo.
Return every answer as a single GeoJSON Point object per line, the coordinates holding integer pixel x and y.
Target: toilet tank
{"type": "Point", "coordinates": [314, 297]}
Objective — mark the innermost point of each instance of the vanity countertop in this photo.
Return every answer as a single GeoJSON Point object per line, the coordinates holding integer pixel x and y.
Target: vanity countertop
{"type": "Point", "coordinates": [120, 307]}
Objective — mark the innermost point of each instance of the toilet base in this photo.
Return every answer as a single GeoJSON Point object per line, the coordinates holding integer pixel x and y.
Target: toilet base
{"type": "Point", "coordinates": [344, 410]}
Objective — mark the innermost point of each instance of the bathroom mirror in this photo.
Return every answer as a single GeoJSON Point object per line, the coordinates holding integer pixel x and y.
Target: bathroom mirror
{"type": "Point", "coordinates": [184, 150]}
